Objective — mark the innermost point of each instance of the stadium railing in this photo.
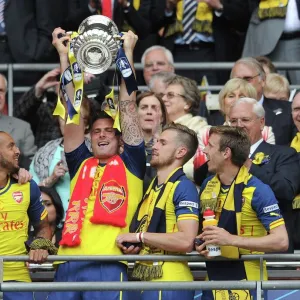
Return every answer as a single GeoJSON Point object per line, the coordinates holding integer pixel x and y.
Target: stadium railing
{"type": "Point", "coordinates": [10, 68]}
{"type": "Point", "coordinates": [258, 286]}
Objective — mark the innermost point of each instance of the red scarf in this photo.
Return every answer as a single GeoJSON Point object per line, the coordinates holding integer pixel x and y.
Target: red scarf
{"type": "Point", "coordinates": [111, 198]}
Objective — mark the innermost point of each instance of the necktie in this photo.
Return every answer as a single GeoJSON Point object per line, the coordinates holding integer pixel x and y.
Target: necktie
{"type": "Point", "coordinates": [298, 8]}
{"type": "Point", "coordinates": [106, 8]}
{"type": "Point", "coordinates": [2, 23]}
{"type": "Point", "coordinates": [189, 11]}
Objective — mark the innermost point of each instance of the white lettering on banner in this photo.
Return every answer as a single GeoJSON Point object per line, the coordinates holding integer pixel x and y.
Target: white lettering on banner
{"type": "Point", "coordinates": [270, 208]}
{"type": "Point", "coordinates": [188, 203]}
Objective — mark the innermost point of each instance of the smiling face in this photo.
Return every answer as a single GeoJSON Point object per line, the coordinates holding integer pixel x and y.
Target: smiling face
{"type": "Point", "coordinates": [9, 154]}
{"type": "Point", "coordinates": [156, 61]}
{"type": "Point", "coordinates": [215, 157]}
{"type": "Point", "coordinates": [150, 114]}
{"type": "Point", "coordinates": [242, 115]}
{"type": "Point", "coordinates": [105, 142]}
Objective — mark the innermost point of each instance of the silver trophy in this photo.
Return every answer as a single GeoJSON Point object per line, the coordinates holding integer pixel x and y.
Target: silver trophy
{"type": "Point", "coordinates": [97, 43]}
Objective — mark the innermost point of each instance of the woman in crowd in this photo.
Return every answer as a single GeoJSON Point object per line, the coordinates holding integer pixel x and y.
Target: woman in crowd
{"type": "Point", "coordinates": [152, 116]}
{"type": "Point", "coordinates": [49, 167]}
{"type": "Point", "coordinates": [55, 209]}
{"type": "Point", "coordinates": [182, 99]}
{"type": "Point", "coordinates": [233, 90]}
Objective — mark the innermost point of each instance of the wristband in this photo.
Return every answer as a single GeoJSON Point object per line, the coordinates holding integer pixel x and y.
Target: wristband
{"type": "Point", "coordinates": [142, 237]}
{"type": "Point", "coordinates": [137, 237]}
{"type": "Point", "coordinates": [42, 243]}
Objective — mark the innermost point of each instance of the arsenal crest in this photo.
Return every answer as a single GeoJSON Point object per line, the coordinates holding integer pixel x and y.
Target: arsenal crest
{"type": "Point", "coordinates": [18, 196]}
{"type": "Point", "coordinates": [112, 196]}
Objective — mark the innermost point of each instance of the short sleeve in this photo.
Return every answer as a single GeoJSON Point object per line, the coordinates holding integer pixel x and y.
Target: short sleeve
{"type": "Point", "coordinates": [76, 157]}
{"type": "Point", "coordinates": [266, 207]}
{"type": "Point", "coordinates": [186, 201]}
{"type": "Point", "coordinates": [134, 158]}
{"type": "Point", "coordinates": [36, 210]}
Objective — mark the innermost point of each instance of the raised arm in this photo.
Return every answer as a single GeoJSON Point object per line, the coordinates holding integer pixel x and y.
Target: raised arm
{"type": "Point", "coordinates": [73, 134]}
{"type": "Point", "coordinates": [131, 130]}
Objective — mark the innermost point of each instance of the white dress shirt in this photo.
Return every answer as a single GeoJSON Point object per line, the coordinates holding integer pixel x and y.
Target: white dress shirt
{"type": "Point", "coordinates": [292, 22]}
{"type": "Point", "coordinates": [254, 147]}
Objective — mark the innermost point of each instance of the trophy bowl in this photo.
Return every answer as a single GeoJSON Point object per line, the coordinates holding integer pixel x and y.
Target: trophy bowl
{"type": "Point", "coordinates": [96, 45]}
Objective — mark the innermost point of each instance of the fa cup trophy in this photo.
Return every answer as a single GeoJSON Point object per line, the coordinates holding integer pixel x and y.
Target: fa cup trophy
{"type": "Point", "coordinates": [97, 44]}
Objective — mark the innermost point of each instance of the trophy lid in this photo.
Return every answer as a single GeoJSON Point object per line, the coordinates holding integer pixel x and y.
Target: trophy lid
{"type": "Point", "coordinates": [98, 21]}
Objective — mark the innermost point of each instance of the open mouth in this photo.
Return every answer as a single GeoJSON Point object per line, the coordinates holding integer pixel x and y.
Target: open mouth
{"type": "Point", "coordinates": [103, 144]}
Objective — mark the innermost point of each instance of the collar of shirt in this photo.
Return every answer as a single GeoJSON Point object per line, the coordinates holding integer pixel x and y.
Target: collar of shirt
{"type": "Point", "coordinates": [261, 100]}
{"type": "Point", "coordinates": [254, 147]}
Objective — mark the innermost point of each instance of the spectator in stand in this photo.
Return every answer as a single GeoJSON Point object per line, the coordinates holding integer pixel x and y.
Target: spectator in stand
{"type": "Point", "coordinates": [204, 31]}
{"type": "Point", "coordinates": [266, 64]}
{"type": "Point", "coordinates": [296, 145]}
{"type": "Point", "coordinates": [37, 105]}
{"type": "Point", "coordinates": [18, 129]}
{"type": "Point", "coordinates": [158, 82]}
{"type": "Point", "coordinates": [52, 203]}
{"type": "Point", "coordinates": [56, 212]}
{"type": "Point", "coordinates": [277, 87]}
{"type": "Point", "coordinates": [153, 117]}
{"type": "Point", "coordinates": [279, 22]}
{"type": "Point", "coordinates": [49, 167]}
{"type": "Point", "coordinates": [233, 90]}
{"type": "Point", "coordinates": [275, 165]}
{"type": "Point", "coordinates": [182, 100]}
{"type": "Point", "coordinates": [278, 113]}
{"type": "Point", "coordinates": [156, 59]}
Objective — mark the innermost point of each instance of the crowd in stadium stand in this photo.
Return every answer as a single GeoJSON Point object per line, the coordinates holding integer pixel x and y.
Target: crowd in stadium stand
{"type": "Point", "coordinates": [133, 173]}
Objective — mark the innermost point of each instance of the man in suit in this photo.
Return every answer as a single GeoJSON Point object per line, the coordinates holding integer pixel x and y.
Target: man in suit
{"type": "Point", "coordinates": [216, 33]}
{"type": "Point", "coordinates": [18, 129]}
{"type": "Point", "coordinates": [278, 113]}
{"type": "Point", "coordinates": [277, 166]}
{"type": "Point", "coordinates": [25, 31]}
{"type": "Point", "coordinates": [275, 33]}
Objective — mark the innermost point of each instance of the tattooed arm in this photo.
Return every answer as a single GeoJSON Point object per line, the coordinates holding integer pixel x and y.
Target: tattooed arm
{"type": "Point", "coordinates": [131, 130]}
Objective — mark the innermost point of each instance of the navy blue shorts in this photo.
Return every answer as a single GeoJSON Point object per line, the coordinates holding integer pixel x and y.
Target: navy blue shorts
{"type": "Point", "coordinates": [167, 295]}
{"type": "Point", "coordinates": [90, 271]}
{"type": "Point", "coordinates": [18, 296]}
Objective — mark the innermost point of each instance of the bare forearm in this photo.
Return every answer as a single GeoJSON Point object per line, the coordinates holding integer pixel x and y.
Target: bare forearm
{"type": "Point", "coordinates": [132, 132]}
{"type": "Point", "coordinates": [267, 243]}
{"type": "Point", "coordinates": [173, 242]}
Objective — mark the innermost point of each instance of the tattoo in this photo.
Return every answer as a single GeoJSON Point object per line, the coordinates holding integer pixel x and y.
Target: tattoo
{"type": "Point", "coordinates": [43, 229]}
{"type": "Point", "coordinates": [131, 130]}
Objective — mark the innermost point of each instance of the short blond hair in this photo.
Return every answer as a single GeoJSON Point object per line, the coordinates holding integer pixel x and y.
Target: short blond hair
{"type": "Point", "coordinates": [233, 85]}
{"type": "Point", "coordinates": [276, 83]}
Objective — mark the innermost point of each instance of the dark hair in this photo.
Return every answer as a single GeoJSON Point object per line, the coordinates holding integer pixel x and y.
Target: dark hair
{"type": "Point", "coordinates": [263, 60]}
{"type": "Point", "coordinates": [100, 115]}
{"type": "Point", "coordinates": [234, 138]}
{"type": "Point", "coordinates": [143, 95]}
{"type": "Point", "coordinates": [186, 136]}
{"type": "Point", "coordinates": [52, 193]}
